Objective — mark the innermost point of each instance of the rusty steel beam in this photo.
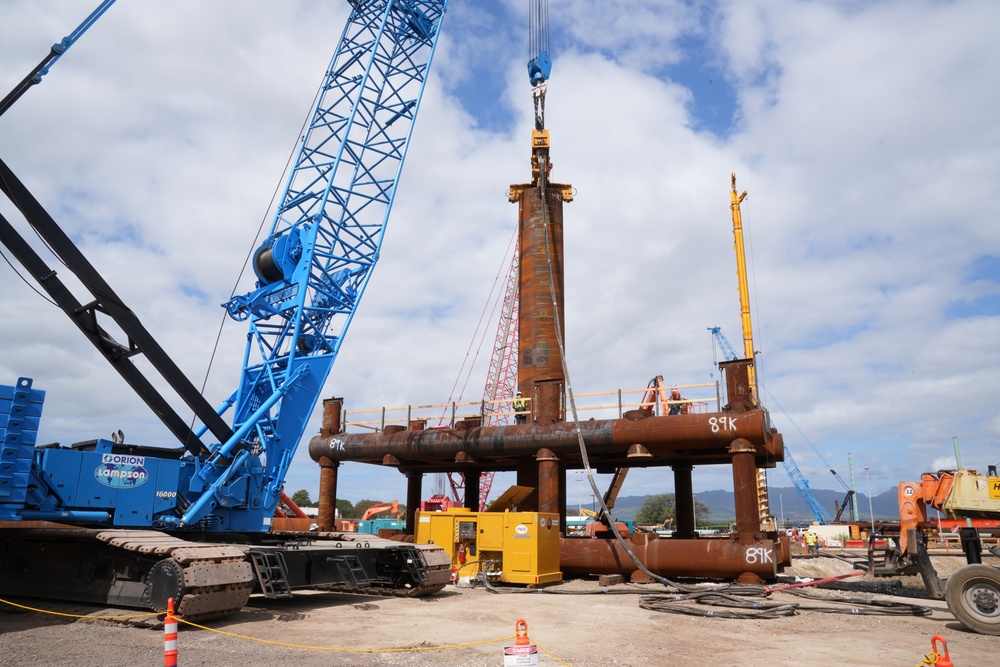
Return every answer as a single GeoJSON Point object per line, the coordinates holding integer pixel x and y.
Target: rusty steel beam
{"type": "Point", "coordinates": [693, 439]}
{"type": "Point", "coordinates": [712, 558]}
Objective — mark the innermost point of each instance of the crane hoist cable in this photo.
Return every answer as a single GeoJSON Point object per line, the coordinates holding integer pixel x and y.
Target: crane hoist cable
{"type": "Point", "coordinates": [539, 60]}
{"type": "Point", "coordinates": [560, 341]}
{"type": "Point", "coordinates": [806, 438]}
{"type": "Point", "coordinates": [539, 70]}
{"type": "Point", "coordinates": [766, 390]}
{"type": "Point", "coordinates": [275, 194]}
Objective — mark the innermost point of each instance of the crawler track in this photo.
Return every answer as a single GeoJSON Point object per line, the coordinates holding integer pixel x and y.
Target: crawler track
{"type": "Point", "coordinates": [145, 568]}
{"type": "Point", "coordinates": [132, 568]}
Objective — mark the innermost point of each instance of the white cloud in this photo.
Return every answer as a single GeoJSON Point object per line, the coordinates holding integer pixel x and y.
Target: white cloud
{"type": "Point", "coordinates": [865, 135]}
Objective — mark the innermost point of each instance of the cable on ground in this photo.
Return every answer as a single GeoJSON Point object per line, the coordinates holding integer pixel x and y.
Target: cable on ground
{"type": "Point", "coordinates": [679, 604]}
{"type": "Point", "coordinates": [342, 649]}
{"type": "Point", "coordinates": [682, 603]}
{"type": "Point", "coordinates": [277, 643]}
{"type": "Point", "coordinates": [867, 605]}
{"type": "Point", "coordinates": [57, 613]}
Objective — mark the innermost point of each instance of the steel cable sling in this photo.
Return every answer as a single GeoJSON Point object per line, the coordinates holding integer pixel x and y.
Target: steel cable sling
{"type": "Point", "coordinates": [682, 604]}
{"type": "Point", "coordinates": [706, 603]}
{"type": "Point", "coordinates": [861, 606]}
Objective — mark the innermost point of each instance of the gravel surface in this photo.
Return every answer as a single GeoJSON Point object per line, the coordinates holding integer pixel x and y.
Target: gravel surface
{"type": "Point", "coordinates": [581, 627]}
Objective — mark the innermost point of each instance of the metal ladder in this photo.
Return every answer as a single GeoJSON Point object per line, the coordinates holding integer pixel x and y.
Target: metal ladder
{"type": "Point", "coordinates": [415, 565]}
{"type": "Point", "coordinates": [271, 573]}
{"type": "Point", "coordinates": [351, 571]}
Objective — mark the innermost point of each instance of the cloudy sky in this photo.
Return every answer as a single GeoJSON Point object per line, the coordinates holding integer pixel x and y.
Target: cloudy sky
{"type": "Point", "coordinates": [864, 132]}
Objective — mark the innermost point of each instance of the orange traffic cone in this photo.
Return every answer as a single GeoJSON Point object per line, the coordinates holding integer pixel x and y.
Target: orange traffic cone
{"type": "Point", "coordinates": [170, 636]}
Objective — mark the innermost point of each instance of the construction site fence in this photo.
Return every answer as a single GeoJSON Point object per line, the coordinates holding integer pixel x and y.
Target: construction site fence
{"type": "Point", "coordinates": [953, 541]}
{"type": "Point", "coordinates": [696, 398]}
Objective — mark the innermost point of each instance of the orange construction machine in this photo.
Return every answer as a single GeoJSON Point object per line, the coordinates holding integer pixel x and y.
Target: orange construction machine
{"type": "Point", "coordinates": [973, 592]}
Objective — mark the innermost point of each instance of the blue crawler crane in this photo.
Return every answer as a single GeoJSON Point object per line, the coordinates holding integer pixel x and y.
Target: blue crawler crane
{"type": "Point", "coordinates": [111, 522]}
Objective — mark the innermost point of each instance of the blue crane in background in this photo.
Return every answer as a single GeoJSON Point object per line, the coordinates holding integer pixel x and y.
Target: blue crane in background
{"type": "Point", "coordinates": [801, 483]}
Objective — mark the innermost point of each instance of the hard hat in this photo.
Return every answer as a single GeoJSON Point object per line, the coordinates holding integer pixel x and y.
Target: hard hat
{"type": "Point", "coordinates": [518, 393]}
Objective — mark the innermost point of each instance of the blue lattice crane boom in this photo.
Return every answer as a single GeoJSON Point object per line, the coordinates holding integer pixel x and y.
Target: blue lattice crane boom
{"type": "Point", "coordinates": [326, 235]}
{"type": "Point", "coordinates": [723, 343]}
{"type": "Point", "coordinates": [794, 474]}
{"type": "Point", "coordinates": [802, 486]}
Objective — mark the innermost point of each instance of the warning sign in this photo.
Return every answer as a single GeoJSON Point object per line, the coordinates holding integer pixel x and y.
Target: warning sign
{"type": "Point", "coordinates": [520, 656]}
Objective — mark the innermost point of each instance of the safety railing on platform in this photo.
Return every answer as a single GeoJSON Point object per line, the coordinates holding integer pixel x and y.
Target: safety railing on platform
{"type": "Point", "coordinates": [593, 405]}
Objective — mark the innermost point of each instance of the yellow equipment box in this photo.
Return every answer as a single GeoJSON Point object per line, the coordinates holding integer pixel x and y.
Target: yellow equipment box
{"type": "Point", "coordinates": [522, 546]}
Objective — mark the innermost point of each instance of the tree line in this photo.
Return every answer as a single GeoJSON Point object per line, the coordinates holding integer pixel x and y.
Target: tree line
{"type": "Point", "coordinates": [658, 509]}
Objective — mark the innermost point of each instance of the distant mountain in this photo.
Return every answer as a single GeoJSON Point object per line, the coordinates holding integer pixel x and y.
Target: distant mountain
{"type": "Point", "coordinates": [885, 506]}
{"type": "Point", "coordinates": [785, 501]}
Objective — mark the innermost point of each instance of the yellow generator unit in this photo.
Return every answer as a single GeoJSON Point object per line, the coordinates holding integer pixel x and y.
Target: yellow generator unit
{"type": "Point", "coordinates": [522, 546]}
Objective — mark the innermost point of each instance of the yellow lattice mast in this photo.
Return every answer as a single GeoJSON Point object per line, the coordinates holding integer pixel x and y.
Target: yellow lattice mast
{"type": "Point", "coordinates": [766, 520]}
{"type": "Point", "coordinates": [741, 274]}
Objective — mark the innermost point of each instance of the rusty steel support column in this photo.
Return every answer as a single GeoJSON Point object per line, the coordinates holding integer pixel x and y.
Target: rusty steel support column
{"type": "Point", "coordinates": [684, 503]}
{"type": "Point", "coordinates": [332, 410]}
{"type": "Point", "coordinates": [745, 489]}
{"type": "Point", "coordinates": [548, 404]}
{"type": "Point", "coordinates": [527, 475]}
{"type": "Point", "coordinates": [540, 273]}
{"type": "Point", "coordinates": [414, 492]}
{"type": "Point", "coordinates": [327, 518]}
{"type": "Point", "coordinates": [472, 479]}
{"type": "Point", "coordinates": [548, 481]}
{"type": "Point", "coordinates": [739, 393]}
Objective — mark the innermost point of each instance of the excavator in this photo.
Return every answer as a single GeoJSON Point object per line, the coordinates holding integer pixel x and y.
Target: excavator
{"type": "Point", "coordinates": [973, 592]}
{"type": "Point", "coordinates": [108, 521]}
{"type": "Point", "coordinates": [392, 508]}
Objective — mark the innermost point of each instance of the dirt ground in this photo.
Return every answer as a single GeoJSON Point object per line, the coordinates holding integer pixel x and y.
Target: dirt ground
{"type": "Point", "coordinates": [582, 627]}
